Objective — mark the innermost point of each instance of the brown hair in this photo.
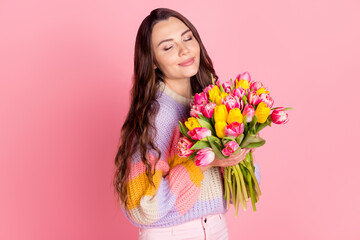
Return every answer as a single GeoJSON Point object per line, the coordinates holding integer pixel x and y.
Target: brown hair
{"type": "Point", "coordinates": [139, 124]}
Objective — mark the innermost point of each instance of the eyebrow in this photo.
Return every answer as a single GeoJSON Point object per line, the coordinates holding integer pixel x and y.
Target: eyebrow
{"type": "Point", "coordinates": [172, 38]}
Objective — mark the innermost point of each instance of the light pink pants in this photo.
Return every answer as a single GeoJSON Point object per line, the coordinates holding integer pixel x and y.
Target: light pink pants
{"type": "Point", "coordinates": [212, 227]}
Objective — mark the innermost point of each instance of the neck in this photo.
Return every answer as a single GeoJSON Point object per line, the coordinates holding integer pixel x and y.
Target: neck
{"type": "Point", "coordinates": [181, 87]}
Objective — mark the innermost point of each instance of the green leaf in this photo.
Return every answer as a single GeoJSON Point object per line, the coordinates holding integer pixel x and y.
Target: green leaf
{"type": "Point", "coordinates": [252, 124]}
{"type": "Point", "coordinates": [221, 88]}
{"type": "Point", "coordinates": [192, 155]}
{"type": "Point", "coordinates": [215, 147]}
{"type": "Point", "coordinates": [252, 142]}
{"type": "Point", "coordinates": [200, 145]}
{"type": "Point", "coordinates": [212, 79]}
{"type": "Point", "coordinates": [184, 130]}
{"type": "Point", "coordinates": [202, 117]}
{"type": "Point", "coordinates": [239, 138]}
{"type": "Point", "coordinates": [207, 125]}
{"type": "Point", "coordinates": [244, 120]}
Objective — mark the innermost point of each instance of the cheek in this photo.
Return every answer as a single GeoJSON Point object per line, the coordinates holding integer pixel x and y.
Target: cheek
{"type": "Point", "coordinates": [168, 59]}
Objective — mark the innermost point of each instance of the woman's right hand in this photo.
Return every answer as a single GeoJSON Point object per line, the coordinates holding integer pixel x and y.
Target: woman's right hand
{"type": "Point", "coordinates": [230, 161]}
{"type": "Point", "coordinates": [227, 162]}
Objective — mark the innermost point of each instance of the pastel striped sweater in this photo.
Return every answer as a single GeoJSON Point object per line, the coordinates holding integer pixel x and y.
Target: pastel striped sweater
{"type": "Point", "coordinates": [182, 192]}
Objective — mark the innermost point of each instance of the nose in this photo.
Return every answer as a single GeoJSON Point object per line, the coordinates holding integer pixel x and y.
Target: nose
{"type": "Point", "coordinates": [183, 50]}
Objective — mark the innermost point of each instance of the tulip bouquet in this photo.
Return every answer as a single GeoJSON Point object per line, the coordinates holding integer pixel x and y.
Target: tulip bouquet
{"type": "Point", "coordinates": [225, 118]}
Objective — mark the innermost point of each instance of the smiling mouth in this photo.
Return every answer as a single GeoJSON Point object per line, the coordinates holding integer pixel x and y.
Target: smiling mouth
{"type": "Point", "coordinates": [188, 62]}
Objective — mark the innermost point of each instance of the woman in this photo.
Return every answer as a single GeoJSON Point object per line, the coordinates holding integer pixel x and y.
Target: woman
{"type": "Point", "coordinates": [166, 196]}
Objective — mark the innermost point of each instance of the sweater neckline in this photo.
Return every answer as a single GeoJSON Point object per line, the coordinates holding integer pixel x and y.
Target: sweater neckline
{"type": "Point", "coordinates": [180, 99]}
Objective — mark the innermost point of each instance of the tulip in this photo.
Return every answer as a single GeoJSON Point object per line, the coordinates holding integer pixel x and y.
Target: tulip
{"type": "Point", "coordinates": [234, 129]}
{"type": "Point", "coordinates": [206, 90]}
{"type": "Point", "coordinates": [195, 110]}
{"type": "Point", "coordinates": [239, 92]}
{"type": "Point", "coordinates": [243, 84]}
{"type": "Point", "coordinates": [220, 113]}
{"type": "Point", "coordinates": [234, 116]}
{"type": "Point", "coordinates": [200, 98]}
{"type": "Point", "coordinates": [279, 116]}
{"type": "Point", "coordinates": [220, 129]}
{"type": "Point", "coordinates": [199, 133]}
{"type": "Point", "coordinates": [255, 85]}
{"type": "Point", "coordinates": [208, 109]}
{"type": "Point", "coordinates": [253, 98]}
{"type": "Point", "coordinates": [245, 76]}
{"type": "Point", "coordinates": [249, 112]}
{"type": "Point", "coordinates": [184, 146]}
{"type": "Point", "coordinates": [262, 90]}
{"type": "Point", "coordinates": [204, 157]}
{"type": "Point", "coordinates": [213, 93]}
{"type": "Point", "coordinates": [231, 102]}
{"type": "Point", "coordinates": [230, 148]}
{"type": "Point", "coordinates": [227, 85]}
{"type": "Point", "coordinates": [265, 97]}
{"type": "Point", "coordinates": [262, 112]}
{"type": "Point", "coordinates": [192, 123]}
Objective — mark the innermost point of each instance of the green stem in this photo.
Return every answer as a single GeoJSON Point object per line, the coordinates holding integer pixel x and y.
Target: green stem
{"type": "Point", "coordinates": [251, 171]}
{"type": "Point", "coordinates": [237, 167]}
{"type": "Point", "coordinates": [248, 178]}
{"type": "Point", "coordinates": [227, 188]}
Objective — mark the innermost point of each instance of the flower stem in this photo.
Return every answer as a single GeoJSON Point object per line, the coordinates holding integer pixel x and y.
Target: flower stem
{"type": "Point", "coordinates": [251, 171]}
{"type": "Point", "coordinates": [237, 167]}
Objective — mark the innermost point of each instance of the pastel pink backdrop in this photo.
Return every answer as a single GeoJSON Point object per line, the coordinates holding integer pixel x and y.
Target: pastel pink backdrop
{"type": "Point", "coordinates": [65, 71]}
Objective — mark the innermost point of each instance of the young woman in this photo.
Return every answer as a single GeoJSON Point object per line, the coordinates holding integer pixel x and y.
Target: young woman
{"type": "Point", "coordinates": [166, 196]}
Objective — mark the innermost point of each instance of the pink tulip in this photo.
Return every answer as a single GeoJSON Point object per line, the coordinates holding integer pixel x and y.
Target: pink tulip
{"type": "Point", "coordinates": [201, 98]}
{"type": "Point", "coordinates": [269, 101]}
{"type": "Point", "coordinates": [184, 146]}
{"type": "Point", "coordinates": [206, 90]}
{"type": "Point", "coordinates": [239, 92]}
{"type": "Point", "coordinates": [230, 148]}
{"type": "Point", "coordinates": [245, 76]}
{"type": "Point", "coordinates": [226, 84]}
{"type": "Point", "coordinates": [256, 85]}
{"type": "Point", "coordinates": [208, 109]}
{"type": "Point", "coordinates": [199, 133]}
{"type": "Point", "coordinates": [253, 98]}
{"type": "Point", "coordinates": [231, 102]}
{"type": "Point", "coordinates": [279, 116]}
{"type": "Point", "coordinates": [249, 112]}
{"type": "Point", "coordinates": [204, 157]}
{"type": "Point", "coordinates": [234, 129]}
{"type": "Point", "coordinates": [195, 110]}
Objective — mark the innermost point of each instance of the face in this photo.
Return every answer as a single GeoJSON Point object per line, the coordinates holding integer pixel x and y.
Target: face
{"type": "Point", "coordinates": [176, 50]}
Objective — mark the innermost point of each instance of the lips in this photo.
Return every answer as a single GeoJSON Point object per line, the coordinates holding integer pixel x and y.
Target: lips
{"type": "Point", "coordinates": [187, 62]}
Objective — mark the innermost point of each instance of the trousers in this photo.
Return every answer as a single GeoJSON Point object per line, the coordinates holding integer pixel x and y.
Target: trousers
{"type": "Point", "coordinates": [212, 227]}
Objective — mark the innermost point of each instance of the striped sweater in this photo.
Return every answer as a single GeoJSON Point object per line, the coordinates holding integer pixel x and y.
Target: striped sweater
{"type": "Point", "coordinates": [182, 192]}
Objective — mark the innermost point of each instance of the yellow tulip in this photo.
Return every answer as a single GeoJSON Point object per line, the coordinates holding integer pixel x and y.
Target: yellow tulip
{"type": "Point", "coordinates": [220, 129]}
{"type": "Point", "coordinates": [192, 123]}
{"type": "Point", "coordinates": [262, 112]}
{"type": "Point", "coordinates": [234, 116]}
{"type": "Point", "coordinates": [214, 93]}
{"type": "Point", "coordinates": [218, 98]}
{"type": "Point", "coordinates": [261, 90]}
{"type": "Point", "coordinates": [242, 83]}
{"type": "Point", "coordinates": [220, 113]}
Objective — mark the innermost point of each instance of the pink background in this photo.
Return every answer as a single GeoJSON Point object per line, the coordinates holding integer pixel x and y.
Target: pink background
{"type": "Point", "coordinates": [65, 71]}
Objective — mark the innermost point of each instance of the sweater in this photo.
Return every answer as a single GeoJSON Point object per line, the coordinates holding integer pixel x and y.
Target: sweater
{"type": "Point", "coordinates": [182, 192]}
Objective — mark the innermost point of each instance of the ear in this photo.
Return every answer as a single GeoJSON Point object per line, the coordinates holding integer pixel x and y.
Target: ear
{"type": "Point", "coordinates": [155, 66]}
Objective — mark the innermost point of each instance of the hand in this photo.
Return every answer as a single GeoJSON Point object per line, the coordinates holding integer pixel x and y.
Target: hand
{"type": "Point", "coordinates": [227, 162]}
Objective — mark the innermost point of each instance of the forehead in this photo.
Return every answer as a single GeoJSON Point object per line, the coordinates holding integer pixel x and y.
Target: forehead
{"type": "Point", "coordinates": [170, 28]}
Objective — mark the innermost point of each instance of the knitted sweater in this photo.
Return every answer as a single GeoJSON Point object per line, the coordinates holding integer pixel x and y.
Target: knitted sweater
{"type": "Point", "coordinates": [182, 192]}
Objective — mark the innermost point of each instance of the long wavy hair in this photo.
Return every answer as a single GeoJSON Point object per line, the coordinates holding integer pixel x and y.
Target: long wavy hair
{"type": "Point", "coordinates": [139, 124]}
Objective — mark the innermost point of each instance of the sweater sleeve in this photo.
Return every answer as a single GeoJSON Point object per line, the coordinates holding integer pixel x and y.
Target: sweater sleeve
{"type": "Point", "coordinates": [177, 186]}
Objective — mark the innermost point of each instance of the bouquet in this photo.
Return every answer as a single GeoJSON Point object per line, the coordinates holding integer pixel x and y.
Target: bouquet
{"type": "Point", "coordinates": [225, 118]}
